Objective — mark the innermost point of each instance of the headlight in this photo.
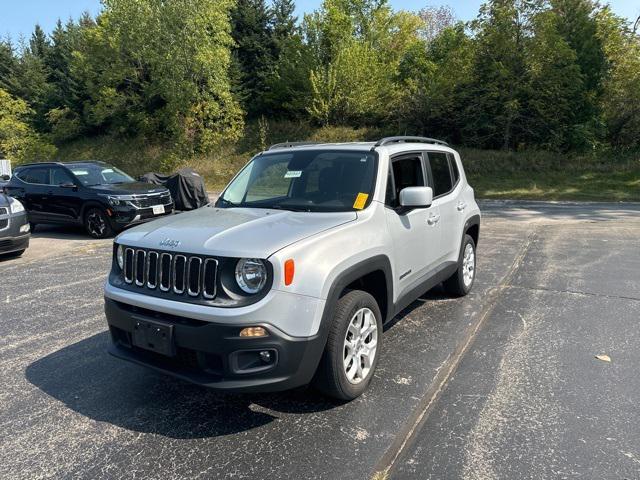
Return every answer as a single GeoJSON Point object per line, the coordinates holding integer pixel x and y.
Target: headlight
{"type": "Point", "coordinates": [116, 200]}
{"type": "Point", "coordinates": [251, 274]}
{"type": "Point", "coordinates": [120, 256]}
{"type": "Point", "coordinates": [16, 206]}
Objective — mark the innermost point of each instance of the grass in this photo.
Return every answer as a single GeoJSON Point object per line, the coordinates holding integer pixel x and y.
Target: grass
{"type": "Point", "coordinates": [532, 175]}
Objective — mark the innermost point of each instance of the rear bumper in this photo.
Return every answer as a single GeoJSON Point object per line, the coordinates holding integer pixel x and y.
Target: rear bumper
{"type": "Point", "coordinates": [214, 355]}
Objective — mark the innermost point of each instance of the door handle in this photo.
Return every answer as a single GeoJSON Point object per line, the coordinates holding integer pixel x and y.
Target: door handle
{"type": "Point", "coordinates": [433, 219]}
{"type": "Point", "coordinates": [461, 206]}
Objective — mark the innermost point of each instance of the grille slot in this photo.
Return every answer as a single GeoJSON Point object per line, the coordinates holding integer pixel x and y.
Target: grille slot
{"type": "Point", "coordinates": [128, 265]}
{"type": "Point", "coordinates": [177, 274]}
{"type": "Point", "coordinates": [210, 275]}
{"type": "Point", "coordinates": [4, 211]}
{"type": "Point", "coordinates": [165, 271]}
{"type": "Point", "coordinates": [179, 271]}
{"type": "Point", "coordinates": [194, 276]}
{"type": "Point", "coordinates": [152, 270]}
{"type": "Point", "coordinates": [139, 267]}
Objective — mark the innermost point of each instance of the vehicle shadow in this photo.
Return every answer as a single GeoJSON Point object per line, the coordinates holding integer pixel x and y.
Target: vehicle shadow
{"type": "Point", "coordinates": [60, 232]}
{"type": "Point", "coordinates": [89, 381]}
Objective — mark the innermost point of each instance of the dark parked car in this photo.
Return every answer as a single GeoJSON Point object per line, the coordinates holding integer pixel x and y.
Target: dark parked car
{"type": "Point", "coordinates": [14, 226]}
{"type": "Point", "coordinates": [94, 194]}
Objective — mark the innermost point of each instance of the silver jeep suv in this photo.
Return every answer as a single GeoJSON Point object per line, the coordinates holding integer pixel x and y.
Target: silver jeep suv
{"type": "Point", "coordinates": [289, 277]}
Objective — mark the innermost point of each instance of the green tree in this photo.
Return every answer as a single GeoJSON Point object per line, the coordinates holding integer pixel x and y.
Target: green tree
{"type": "Point", "coordinates": [621, 86]}
{"type": "Point", "coordinates": [160, 68]}
{"type": "Point", "coordinates": [18, 141]}
{"type": "Point", "coordinates": [254, 53]}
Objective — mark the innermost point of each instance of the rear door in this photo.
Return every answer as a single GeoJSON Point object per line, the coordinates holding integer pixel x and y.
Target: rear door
{"type": "Point", "coordinates": [33, 187]}
{"type": "Point", "coordinates": [445, 180]}
{"type": "Point", "coordinates": [415, 234]}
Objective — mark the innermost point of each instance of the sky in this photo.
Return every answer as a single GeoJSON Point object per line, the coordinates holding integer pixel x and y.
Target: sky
{"type": "Point", "coordinates": [18, 17]}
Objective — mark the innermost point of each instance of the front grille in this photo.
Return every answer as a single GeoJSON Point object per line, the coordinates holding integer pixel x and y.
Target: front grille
{"type": "Point", "coordinates": [4, 211]}
{"type": "Point", "coordinates": [148, 202]}
{"type": "Point", "coordinates": [181, 274]}
{"type": "Point", "coordinates": [4, 223]}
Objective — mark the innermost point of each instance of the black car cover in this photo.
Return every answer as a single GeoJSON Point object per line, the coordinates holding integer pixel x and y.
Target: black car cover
{"type": "Point", "coordinates": [186, 187]}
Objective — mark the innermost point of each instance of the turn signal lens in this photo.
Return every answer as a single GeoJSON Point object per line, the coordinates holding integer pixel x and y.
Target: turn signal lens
{"type": "Point", "coordinates": [289, 271]}
{"type": "Point", "coordinates": [253, 332]}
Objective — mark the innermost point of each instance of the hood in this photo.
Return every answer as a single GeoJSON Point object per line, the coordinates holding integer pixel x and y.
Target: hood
{"type": "Point", "coordinates": [133, 188]}
{"type": "Point", "coordinates": [233, 232]}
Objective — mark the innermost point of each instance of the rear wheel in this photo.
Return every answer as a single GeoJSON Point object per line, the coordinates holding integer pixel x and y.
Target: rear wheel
{"type": "Point", "coordinates": [352, 349]}
{"type": "Point", "coordinates": [461, 282]}
{"type": "Point", "coordinates": [97, 224]}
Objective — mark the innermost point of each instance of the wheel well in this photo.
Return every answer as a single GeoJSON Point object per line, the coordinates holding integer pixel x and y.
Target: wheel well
{"type": "Point", "coordinates": [474, 232]}
{"type": "Point", "coordinates": [374, 283]}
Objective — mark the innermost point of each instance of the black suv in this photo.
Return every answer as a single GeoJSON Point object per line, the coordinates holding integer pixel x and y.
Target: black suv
{"type": "Point", "coordinates": [94, 194]}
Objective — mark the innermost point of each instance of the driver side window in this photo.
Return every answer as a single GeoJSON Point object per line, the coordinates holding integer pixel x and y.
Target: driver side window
{"type": "Point", "coordinates": [60, 176]}
{"type": "Point", "coordinates": [405, 172]}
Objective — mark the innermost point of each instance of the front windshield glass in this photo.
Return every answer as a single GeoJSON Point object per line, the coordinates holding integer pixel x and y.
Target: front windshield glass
{"type": "Point", "coordinates": [99, 175]}
{"type": "Point", "coordinates": [306, 180]}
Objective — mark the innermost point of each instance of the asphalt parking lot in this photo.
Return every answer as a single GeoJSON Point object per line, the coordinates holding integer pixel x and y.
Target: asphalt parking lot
{"type": "Point", "coordinates": [501, 384]}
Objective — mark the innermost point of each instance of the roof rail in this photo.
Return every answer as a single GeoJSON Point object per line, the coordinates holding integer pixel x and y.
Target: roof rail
{"type": "Point", "coordinates": [404, 139]}
{"type": "Point", "coordinates": [293, 144]}
{"type": "Point", "coordinates": [37, 163]}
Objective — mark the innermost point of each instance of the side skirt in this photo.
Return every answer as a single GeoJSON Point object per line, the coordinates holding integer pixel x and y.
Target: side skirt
{"type": "Point", "coordinates": [424, 284]}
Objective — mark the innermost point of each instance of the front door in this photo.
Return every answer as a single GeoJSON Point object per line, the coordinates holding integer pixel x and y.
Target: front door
{"type": "Point", "coordinates": [415, 233]}
{"type": "Point", "coordinates": [63, 202]}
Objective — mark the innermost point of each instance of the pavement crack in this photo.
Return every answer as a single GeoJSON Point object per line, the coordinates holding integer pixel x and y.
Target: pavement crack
{"type": "Point", "coordinates": [573, 292]}
{"type": "Point", "coordinates": [407, 434]}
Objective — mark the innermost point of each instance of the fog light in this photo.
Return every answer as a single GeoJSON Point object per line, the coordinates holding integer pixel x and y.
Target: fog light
{"type": "Point", "coordinates": [265, 356]}
{"type": "Point", "coordinates": [253, 332]}
{"type": "Point", "coordinates": [24, 228]}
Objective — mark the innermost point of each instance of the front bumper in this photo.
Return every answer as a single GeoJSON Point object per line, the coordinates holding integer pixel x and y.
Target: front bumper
{"type": "Point", "coordinates": [125, 216]}
{"type": "Point", "coordinates": [12, 239]}
{"type": "Point", "coordinates": [214, 355]}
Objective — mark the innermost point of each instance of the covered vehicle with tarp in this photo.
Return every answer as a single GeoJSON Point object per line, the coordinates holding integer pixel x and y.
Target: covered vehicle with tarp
{"type": "Point", "coordinates": [186, 186]}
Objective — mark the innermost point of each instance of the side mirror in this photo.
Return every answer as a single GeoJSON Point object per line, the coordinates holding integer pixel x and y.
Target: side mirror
{"type": "Point", "coordinates": [416, 197]}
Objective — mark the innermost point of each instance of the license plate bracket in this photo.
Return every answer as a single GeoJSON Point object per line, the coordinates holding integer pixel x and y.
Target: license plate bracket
{"type": "Point", "coordinates": [153, 336]}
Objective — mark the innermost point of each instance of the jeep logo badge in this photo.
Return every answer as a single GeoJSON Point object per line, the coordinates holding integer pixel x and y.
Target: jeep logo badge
{"type": "Point", "coordinates": [167, 242]}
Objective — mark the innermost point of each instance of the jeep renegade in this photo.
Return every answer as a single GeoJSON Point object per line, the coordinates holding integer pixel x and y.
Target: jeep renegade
{"type": "Point", "coordinates": [288, 278]}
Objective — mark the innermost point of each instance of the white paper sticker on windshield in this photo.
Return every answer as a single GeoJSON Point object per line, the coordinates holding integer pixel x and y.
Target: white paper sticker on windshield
{"type": "Point", "coordinates": [107, 170]}
{"type": "Point", "coordinates": [293, 174]}
{"type": "Point", "coordinates": [80, 172]}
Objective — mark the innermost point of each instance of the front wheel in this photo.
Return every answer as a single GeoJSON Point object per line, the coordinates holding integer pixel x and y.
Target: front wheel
{"type": "Point", "coordinates": [97, 224]}
{"type": "Point", "coordinates": [461, 282]}
{"type": "Point", "coordinates": [353, 347]}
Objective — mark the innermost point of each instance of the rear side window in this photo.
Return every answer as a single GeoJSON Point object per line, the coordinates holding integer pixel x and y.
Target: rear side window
{"type": "Point", "coordinates": [39, 176]}
{"type": "Point", "coordinates": [407, 172]}
{"type": "Point", "coordinates": [441, 173]}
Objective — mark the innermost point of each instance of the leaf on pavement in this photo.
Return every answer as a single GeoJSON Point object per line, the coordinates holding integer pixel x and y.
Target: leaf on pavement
{"type": "Point", "coordinates": [604, 358]}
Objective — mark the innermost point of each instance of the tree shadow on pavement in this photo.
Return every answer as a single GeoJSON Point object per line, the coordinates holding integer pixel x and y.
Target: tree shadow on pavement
{"type": "Point", "coordinates": [89, 381]}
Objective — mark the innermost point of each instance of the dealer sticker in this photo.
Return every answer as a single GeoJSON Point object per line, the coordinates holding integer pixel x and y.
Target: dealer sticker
{"type": "Point", "coordinates": [361, 201]}
{"type": "Point", "coordinates": [293, 174]}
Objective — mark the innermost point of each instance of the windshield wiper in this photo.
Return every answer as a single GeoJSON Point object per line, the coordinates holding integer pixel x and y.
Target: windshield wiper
{"type": "Point", "coordinates": [229, 203]}
{"type": "Point", "coordinates": [291, 209]}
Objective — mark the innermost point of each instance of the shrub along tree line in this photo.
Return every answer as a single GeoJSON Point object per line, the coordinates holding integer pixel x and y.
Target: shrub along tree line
{"type": "Point", "coordinates": [559, 75]}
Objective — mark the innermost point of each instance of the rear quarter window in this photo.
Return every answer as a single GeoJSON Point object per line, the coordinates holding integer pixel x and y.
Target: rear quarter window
{"type": "Point", "coordinates": [38, 176]}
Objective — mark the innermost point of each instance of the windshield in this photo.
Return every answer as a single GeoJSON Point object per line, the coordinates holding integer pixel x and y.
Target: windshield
{"type": "Point", "coordinates": [99, 175]}
{"type": "Point", "coordinates": [308, 180]}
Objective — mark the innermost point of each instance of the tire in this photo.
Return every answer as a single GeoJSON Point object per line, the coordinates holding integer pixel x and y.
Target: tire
{"type": "Point", "coordinates": [32, 226]}
{"type": "Point", "coordinates": [97, 224]}
{"type": "Point", "coordinates": [353, 323]}
{"type": "Point", "coordinates": [461, 282]}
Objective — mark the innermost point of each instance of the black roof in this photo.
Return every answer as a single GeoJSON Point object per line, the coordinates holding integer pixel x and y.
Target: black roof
{"type": "Point", "coordinates": [77, 163]}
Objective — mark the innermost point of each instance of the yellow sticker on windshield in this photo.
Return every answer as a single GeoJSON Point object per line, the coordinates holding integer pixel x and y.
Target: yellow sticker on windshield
{"type": "Point", "coordinates": [361, 200]}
